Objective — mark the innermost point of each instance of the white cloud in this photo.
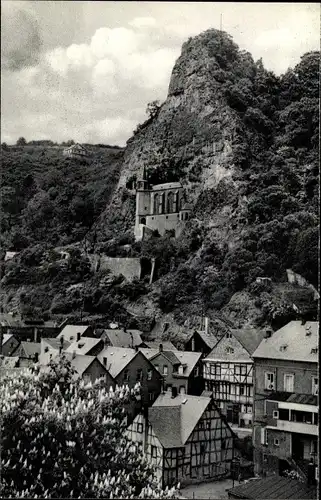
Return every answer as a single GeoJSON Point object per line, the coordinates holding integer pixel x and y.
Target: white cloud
{"type": "Point", "coordinates": [143, 22]}
{"type": "Point", "coordinates": [115, 42]}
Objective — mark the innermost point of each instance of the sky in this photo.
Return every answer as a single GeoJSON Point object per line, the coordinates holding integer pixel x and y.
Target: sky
{"type": "Point", "coordinates": [87, 70]}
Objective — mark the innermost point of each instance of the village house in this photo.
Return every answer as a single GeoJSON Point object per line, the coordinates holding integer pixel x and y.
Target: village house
{"type": "Point", "coordinates": [27, 328]}
{"type": "Point", "coordinates": [49, 348]}
{"type": "Point", "coordinates": [202, 340]}
{"type": "Point", "coordinates": [28, 353]}
{"type": "Point", "coordinates": [89, 368]}
{"type": "Point", "coordinates": [154, 344]}
{"type": "Point", "coordinates": [179, 369]}
{"type": "Point", "coordinates": [89, 346]}
{"type": "Point", "coordinates": [117, 337]}
{"type": "Point", "coordinates": [286, 399]}
{"type": "Point", "coordinates": [8, 343]}
{"type": "Point", "coordinates": [72, 333]}
{"type": "Point", "coordinates": [129, 366]}
{"type": "Point", "coordinates": [228, 374]}
{"type": "Point", "coordinates": [185, 438]}
{"type": "Point", "coordinates": [159, 208]}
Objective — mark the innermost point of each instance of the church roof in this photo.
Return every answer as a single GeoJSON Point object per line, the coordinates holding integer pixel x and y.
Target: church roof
{"type": "Point", "coordinates": [167, 185]}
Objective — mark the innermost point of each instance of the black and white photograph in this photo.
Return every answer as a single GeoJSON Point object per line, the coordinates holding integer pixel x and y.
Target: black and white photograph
{"type": "Point", "coordinates": [159, 250]}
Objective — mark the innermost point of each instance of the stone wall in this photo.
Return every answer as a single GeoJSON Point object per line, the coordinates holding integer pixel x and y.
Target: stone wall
{"type": "Point", "coordinates": [130, 267]}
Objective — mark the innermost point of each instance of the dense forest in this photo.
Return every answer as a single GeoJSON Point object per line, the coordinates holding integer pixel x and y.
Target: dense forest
{"type": "Point", "coordinates": [49, 201]}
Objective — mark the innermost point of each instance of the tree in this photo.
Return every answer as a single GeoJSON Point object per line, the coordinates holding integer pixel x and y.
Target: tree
{"type": "Point", "coordinates": [64, 439]}
{"type": "Point", "coordinates": [153, 109]}
{"type": "Point", "coordinates": [21, 141]}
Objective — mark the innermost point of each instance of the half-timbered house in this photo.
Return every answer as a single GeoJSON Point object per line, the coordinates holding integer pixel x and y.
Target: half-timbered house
{"type": "Point", "coordinates": [185, 438]}
{"type": "Point", "coordinates": [228, 374]}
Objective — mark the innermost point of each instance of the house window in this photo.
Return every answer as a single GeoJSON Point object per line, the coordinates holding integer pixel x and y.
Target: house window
{"type": "Point", "coordinates": [149, 374]}
{"type": "Point", "coordinates": [269, 381]}
{"type": "Point", "coordinates": [202, 449]}
{"type": "Point", "coordinates": [151, 396]}
{"type": "Point", "coordinates": [86, 378]}
{"type": "Point", "coordinates": [212, 369]}
{"type": "Point", "coordinates": [165, 370]}
{"type": "Point", "coordinates": [154, 451]}
{"type": "Point", "coordinates": [139, 374]}
{"type": "Point", "coordinates": [288, 382]}
{"type": "Point", "coordinates": [140, 428]}
{"type": "Point", "coordinates": [243, 370]}
{"type": "Point", "coordinates": [237, 370]}
{"type": "Point", "coordinates": [182, 389]}
{"type": "Point", "coordinates": [229, 350]}
{"type": "Point", "coordinates": [242, 390]}
{"type": "Point", "coordinates": [264, 438]}
{"type": "Point", "coordinates": [275, 414]}
{"type": "Point", "coordinates": [193, 344]}
{"type": "Point", "coordinates": [180, 370]}
{"type": "Point", "coordinates": [276, 442]}
{"type": "Point", "coordinates": [196, 371]}
{"type": "Point", "coordinates": [315, 386]}
{"type": "Point", "coordinates": [156, 366]}
{"type": "Point", "coordinates": [126, 375]}
{"type": "Point", "coordinates": [223, 444]}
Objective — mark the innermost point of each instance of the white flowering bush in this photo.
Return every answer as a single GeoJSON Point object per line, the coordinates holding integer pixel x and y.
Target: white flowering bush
{"type": "Point", "coordinates": [62, 438]}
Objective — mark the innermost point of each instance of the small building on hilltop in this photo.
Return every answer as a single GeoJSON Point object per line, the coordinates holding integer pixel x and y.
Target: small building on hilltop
{"type": "Point", "coordinates": [286, 400]}
{"type": "Point", "coordinates": [185, 438]}
{"type": "Point", "coordinates": [76, 151]}
{"type": "Point", "coordinates": [159, 208]}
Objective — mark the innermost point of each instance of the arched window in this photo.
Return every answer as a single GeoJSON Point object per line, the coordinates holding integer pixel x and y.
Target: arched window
{"type": "Point", "coordinates": [176, 202]}
{"type": "Point", "coordinates": [162, 203]}
{"type": "Point", "coordinates": [170, 202]}
{"type": "Point", "coordinates": [156, 203]}
{"type": "Point", "coordinates": [143, 220]}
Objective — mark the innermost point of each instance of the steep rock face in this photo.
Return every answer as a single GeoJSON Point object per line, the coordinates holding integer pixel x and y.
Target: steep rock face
{"type": "Point", "coordinates": [192, 135]}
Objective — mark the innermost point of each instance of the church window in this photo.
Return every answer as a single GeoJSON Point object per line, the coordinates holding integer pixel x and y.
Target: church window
{"type": "Point", "coordinates": [161, 203]}
{"type": "Point", "coordinates": [143, 220]}
{"type": "Point", "coordinates": [170, 202]}
{"type": "Point", "coordinates": [156, 204]}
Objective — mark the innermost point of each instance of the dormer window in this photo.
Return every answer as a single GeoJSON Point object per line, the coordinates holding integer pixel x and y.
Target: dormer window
{"type": "Point", "coordinates": [180, 370]}
{"type": "Point", "coordinates": [283, 347]}
{"type": "Point", "coordinates": [314, 350]}
{"type": "Point", "coordinates": [80, 345]}
{"type": "Point", "coordinates": [46, 349]}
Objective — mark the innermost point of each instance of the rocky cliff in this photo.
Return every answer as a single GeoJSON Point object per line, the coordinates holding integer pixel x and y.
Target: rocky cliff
{"type": "Point", "coordinates": [244, 144]}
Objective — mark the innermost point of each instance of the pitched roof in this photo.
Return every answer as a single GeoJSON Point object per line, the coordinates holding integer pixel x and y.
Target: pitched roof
{"type": "Point", "coordinates": [83, 346]}
{"type": "Point", "coordinates": [302, 399]}
{"type": "Point", "coordinates": [167, 345]}
{"type": "Point", "coordinates": [55, 342]}
{"type": "Point", "coordinates": [210, 339]}
{"type": "Point", "coordinates": [294, 341]}
{"type": "Point", "coordinates": [6, 337]}
{"type": "Point", "coordinates": [274, 487]}
{"type": "Point", "coordinates": [187, 358]}
{"type": "Point", "coordinates": [120, 338]}
{"type": "Point", "coordinates": [167, 185]}
{"type": "Point", "coordinates": [117, 358]}
{"type": "Point", "coordinates": [174, 419]}
{"type": "Point", "coordinates": [80, 362]}
{"type": "Point", "coordinates": [7, 319]}
{"type": "Point", "coordinates": [30, 348]}
{"type": "Point", "coordinates": [69, 332]}
{"type": "Point", "coordinates": [250, 338]}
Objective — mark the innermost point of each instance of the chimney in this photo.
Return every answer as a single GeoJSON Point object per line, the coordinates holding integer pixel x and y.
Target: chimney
{"type": "Point", "coordinates": [268, 334]}
{"type": "Point", "coordinates": [160, 347]}
{"type": "Point", "coordinates": [174, 392]}
{"type": "Point", "coordinates": [206, 324]}
{"type": "Point", "coordinates": [104, 361]}
{"type": "Point", "coordinates": [78, 336]}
